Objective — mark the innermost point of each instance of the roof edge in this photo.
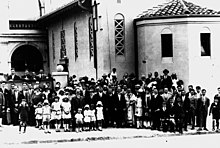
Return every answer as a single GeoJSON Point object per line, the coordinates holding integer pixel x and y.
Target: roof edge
{"type": "Point", "coordinates": [174, 16]}
{"type": "Point", "coordinates": [60, 10]}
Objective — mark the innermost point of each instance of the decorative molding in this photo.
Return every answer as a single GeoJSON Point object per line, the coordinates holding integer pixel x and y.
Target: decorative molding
{"type": "Point", "coordinates": [91, 38]}
{"type": "Point", "coordinates": [13, 24]}
{"type": "Point", "coordinates": [76, 41]}
{"type": "Point", "coordinates": [63, 44]}
{"type": "Point", "coordinates": [119, 34]}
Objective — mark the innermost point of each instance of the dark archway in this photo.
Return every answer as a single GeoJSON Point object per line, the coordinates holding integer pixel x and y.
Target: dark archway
{"type": "Point", "coordinates": [27, 57]}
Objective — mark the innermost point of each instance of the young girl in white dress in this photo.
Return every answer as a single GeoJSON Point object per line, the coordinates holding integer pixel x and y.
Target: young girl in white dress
{"type": "Point", "coordinates": [87, 114]}
{"type": "Point", "coordinates": [93, 118]}
{"type": "Point", "coordinates": [79, 120]}
{"type": "Point", "coordinates": [99, 115]}
{"type": "Point", "coordinates": [46, 116]}
{"type": "Point", "coordinates": [66, 113]}
{"type": "Point", "coordinates": [39, 116]}
{"type": "Point", "coordinates": [56, 113]}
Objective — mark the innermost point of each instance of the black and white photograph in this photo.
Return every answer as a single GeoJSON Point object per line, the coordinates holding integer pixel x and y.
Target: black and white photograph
{"type": "Point", "coordinates": [109, 73]}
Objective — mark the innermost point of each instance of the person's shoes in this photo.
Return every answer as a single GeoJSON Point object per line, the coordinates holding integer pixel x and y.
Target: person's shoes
{"type": "Point", "coordinates": [206, 129]}
{"type": "Point", "coordinates": [48, 132]}
{"type": "Point", "coordinates": [192, 128]}
{"type": "Point", "coordinates": [41, 128]}
{"type": "Point", "coordinates": [199, 129]}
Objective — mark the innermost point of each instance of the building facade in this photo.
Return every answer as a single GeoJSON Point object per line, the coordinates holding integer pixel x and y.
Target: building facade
{"type": "Point", "coordinates": [23, 44]}
{"type": "Point", "coordinates": [182, 37]}
{"type": "Point", "coordinates": [93, 36]}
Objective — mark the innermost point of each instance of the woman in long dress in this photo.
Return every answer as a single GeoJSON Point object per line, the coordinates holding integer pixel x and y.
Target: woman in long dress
{"type": "Point", "coordinates": [130, 102]}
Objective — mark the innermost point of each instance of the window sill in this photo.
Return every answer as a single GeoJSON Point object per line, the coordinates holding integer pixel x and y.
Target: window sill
{"type": "Point", "coordinates": [167, 60]}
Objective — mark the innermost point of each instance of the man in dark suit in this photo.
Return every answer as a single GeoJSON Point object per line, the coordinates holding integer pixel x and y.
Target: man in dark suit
{"type": "Point", "coordinates": [2, 106]}
{"type": "Point", "coordinates": [41, 75]}
{"type": "Point", "coordinates": [120, 107]}
{"type": "Point", "coordinates": [13, 76]}
{"type": "Point", "coordinates": [77, 102]}
{"type": "Point", "coordinates": [16, 96]}
{"type": "Point", "coordinates": [26, 76]}
{"type": "Point", "coordinates": [167, 81]}
{"type": "Point", "coordinates": [156, 104]}
{"type": "Point", "coordinates": [186, 108]}
{"type": "Point", "coordinates": [202, 106]}
{"type": "Point", "coordinates": [179, 114]}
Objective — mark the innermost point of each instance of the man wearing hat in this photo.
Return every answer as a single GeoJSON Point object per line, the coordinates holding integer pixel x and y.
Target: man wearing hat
{"type": "Point", "coordinates": [166, 81]}
{"type": "Point", "coordinates": [104, 80]}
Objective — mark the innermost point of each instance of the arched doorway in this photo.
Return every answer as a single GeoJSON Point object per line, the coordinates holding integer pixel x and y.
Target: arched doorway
{"type": "Point", "coordinates": [27, 57]}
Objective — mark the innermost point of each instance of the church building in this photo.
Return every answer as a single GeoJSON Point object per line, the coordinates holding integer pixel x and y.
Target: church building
{"type": "Point", "coordinates": [91, 37]}
{"type": "Point", "coordinates": [182, 37]}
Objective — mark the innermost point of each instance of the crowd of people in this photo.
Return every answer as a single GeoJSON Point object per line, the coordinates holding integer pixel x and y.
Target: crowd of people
{"type": "Point", "coordinates": [158, 102]}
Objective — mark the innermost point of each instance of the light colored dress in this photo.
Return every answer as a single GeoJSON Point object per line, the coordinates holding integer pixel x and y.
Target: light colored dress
{"type": "Point", "coordinates": [66, 108]}
{"type": "Point", "coordinates": [39, 113]}
{"type": "Point", "coordinates": [46, 113]}
{"type": "Point", "coordinates": [92, 115]}
{"type": "Point", "coordinates": [56, 111]}
{"type": "Point", "coordinates": [130, 102]}
{"type": "Point", "coordinates": [138, 107]}
{"type": "Point", "coordinates": [87, 114]}
{"type": "Point", "coordinates": [99, 115]}
{"type": "Point", "coordinates": [79, 118]}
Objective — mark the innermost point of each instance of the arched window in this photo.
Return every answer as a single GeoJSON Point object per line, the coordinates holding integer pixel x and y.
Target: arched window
{"type": "Point", "coordinates": [205, 41]}
{"type": "Point", "coordinates": [119, 34]}
{"type": "Point", "coordinates": [166, 43]}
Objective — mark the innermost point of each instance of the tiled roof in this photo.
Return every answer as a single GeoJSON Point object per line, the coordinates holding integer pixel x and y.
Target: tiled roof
{"type": "Point", "coordinates": [177, 8]}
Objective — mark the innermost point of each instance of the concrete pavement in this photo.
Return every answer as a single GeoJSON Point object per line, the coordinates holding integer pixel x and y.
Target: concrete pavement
{"type": "Point", "coordinates": [9, 135]}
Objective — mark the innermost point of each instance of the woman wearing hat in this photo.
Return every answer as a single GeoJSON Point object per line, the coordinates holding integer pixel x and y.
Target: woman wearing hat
{"type": "Point", "coordinates": [130, 102]}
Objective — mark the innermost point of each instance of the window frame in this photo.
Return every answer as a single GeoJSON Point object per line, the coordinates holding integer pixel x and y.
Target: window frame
{"type": "Point", "coordinates": [119, 23]}
{"type": "Point", "coordinates": [205, 44]}
{"type": "Point", "coordinates": [167, 47]}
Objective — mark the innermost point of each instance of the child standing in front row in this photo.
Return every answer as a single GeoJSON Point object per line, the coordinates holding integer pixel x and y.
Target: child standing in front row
{"type": "Point", "coordinates": [87, 114]}
{"type": "Point", "coordinates": [23, 115]}
{"type": "Point", "coordinates": [99, 115]}
{"type": "Point", "coordinates": [79, 120]}
{"type": "Point", "coordinates": [46, 116]}
{"type": "Point", "coordinates": [39, 116]}
{"type": "Point", "coordinates": [215, 111]}
{"type": "Point", "coordinates": [93, 118]}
